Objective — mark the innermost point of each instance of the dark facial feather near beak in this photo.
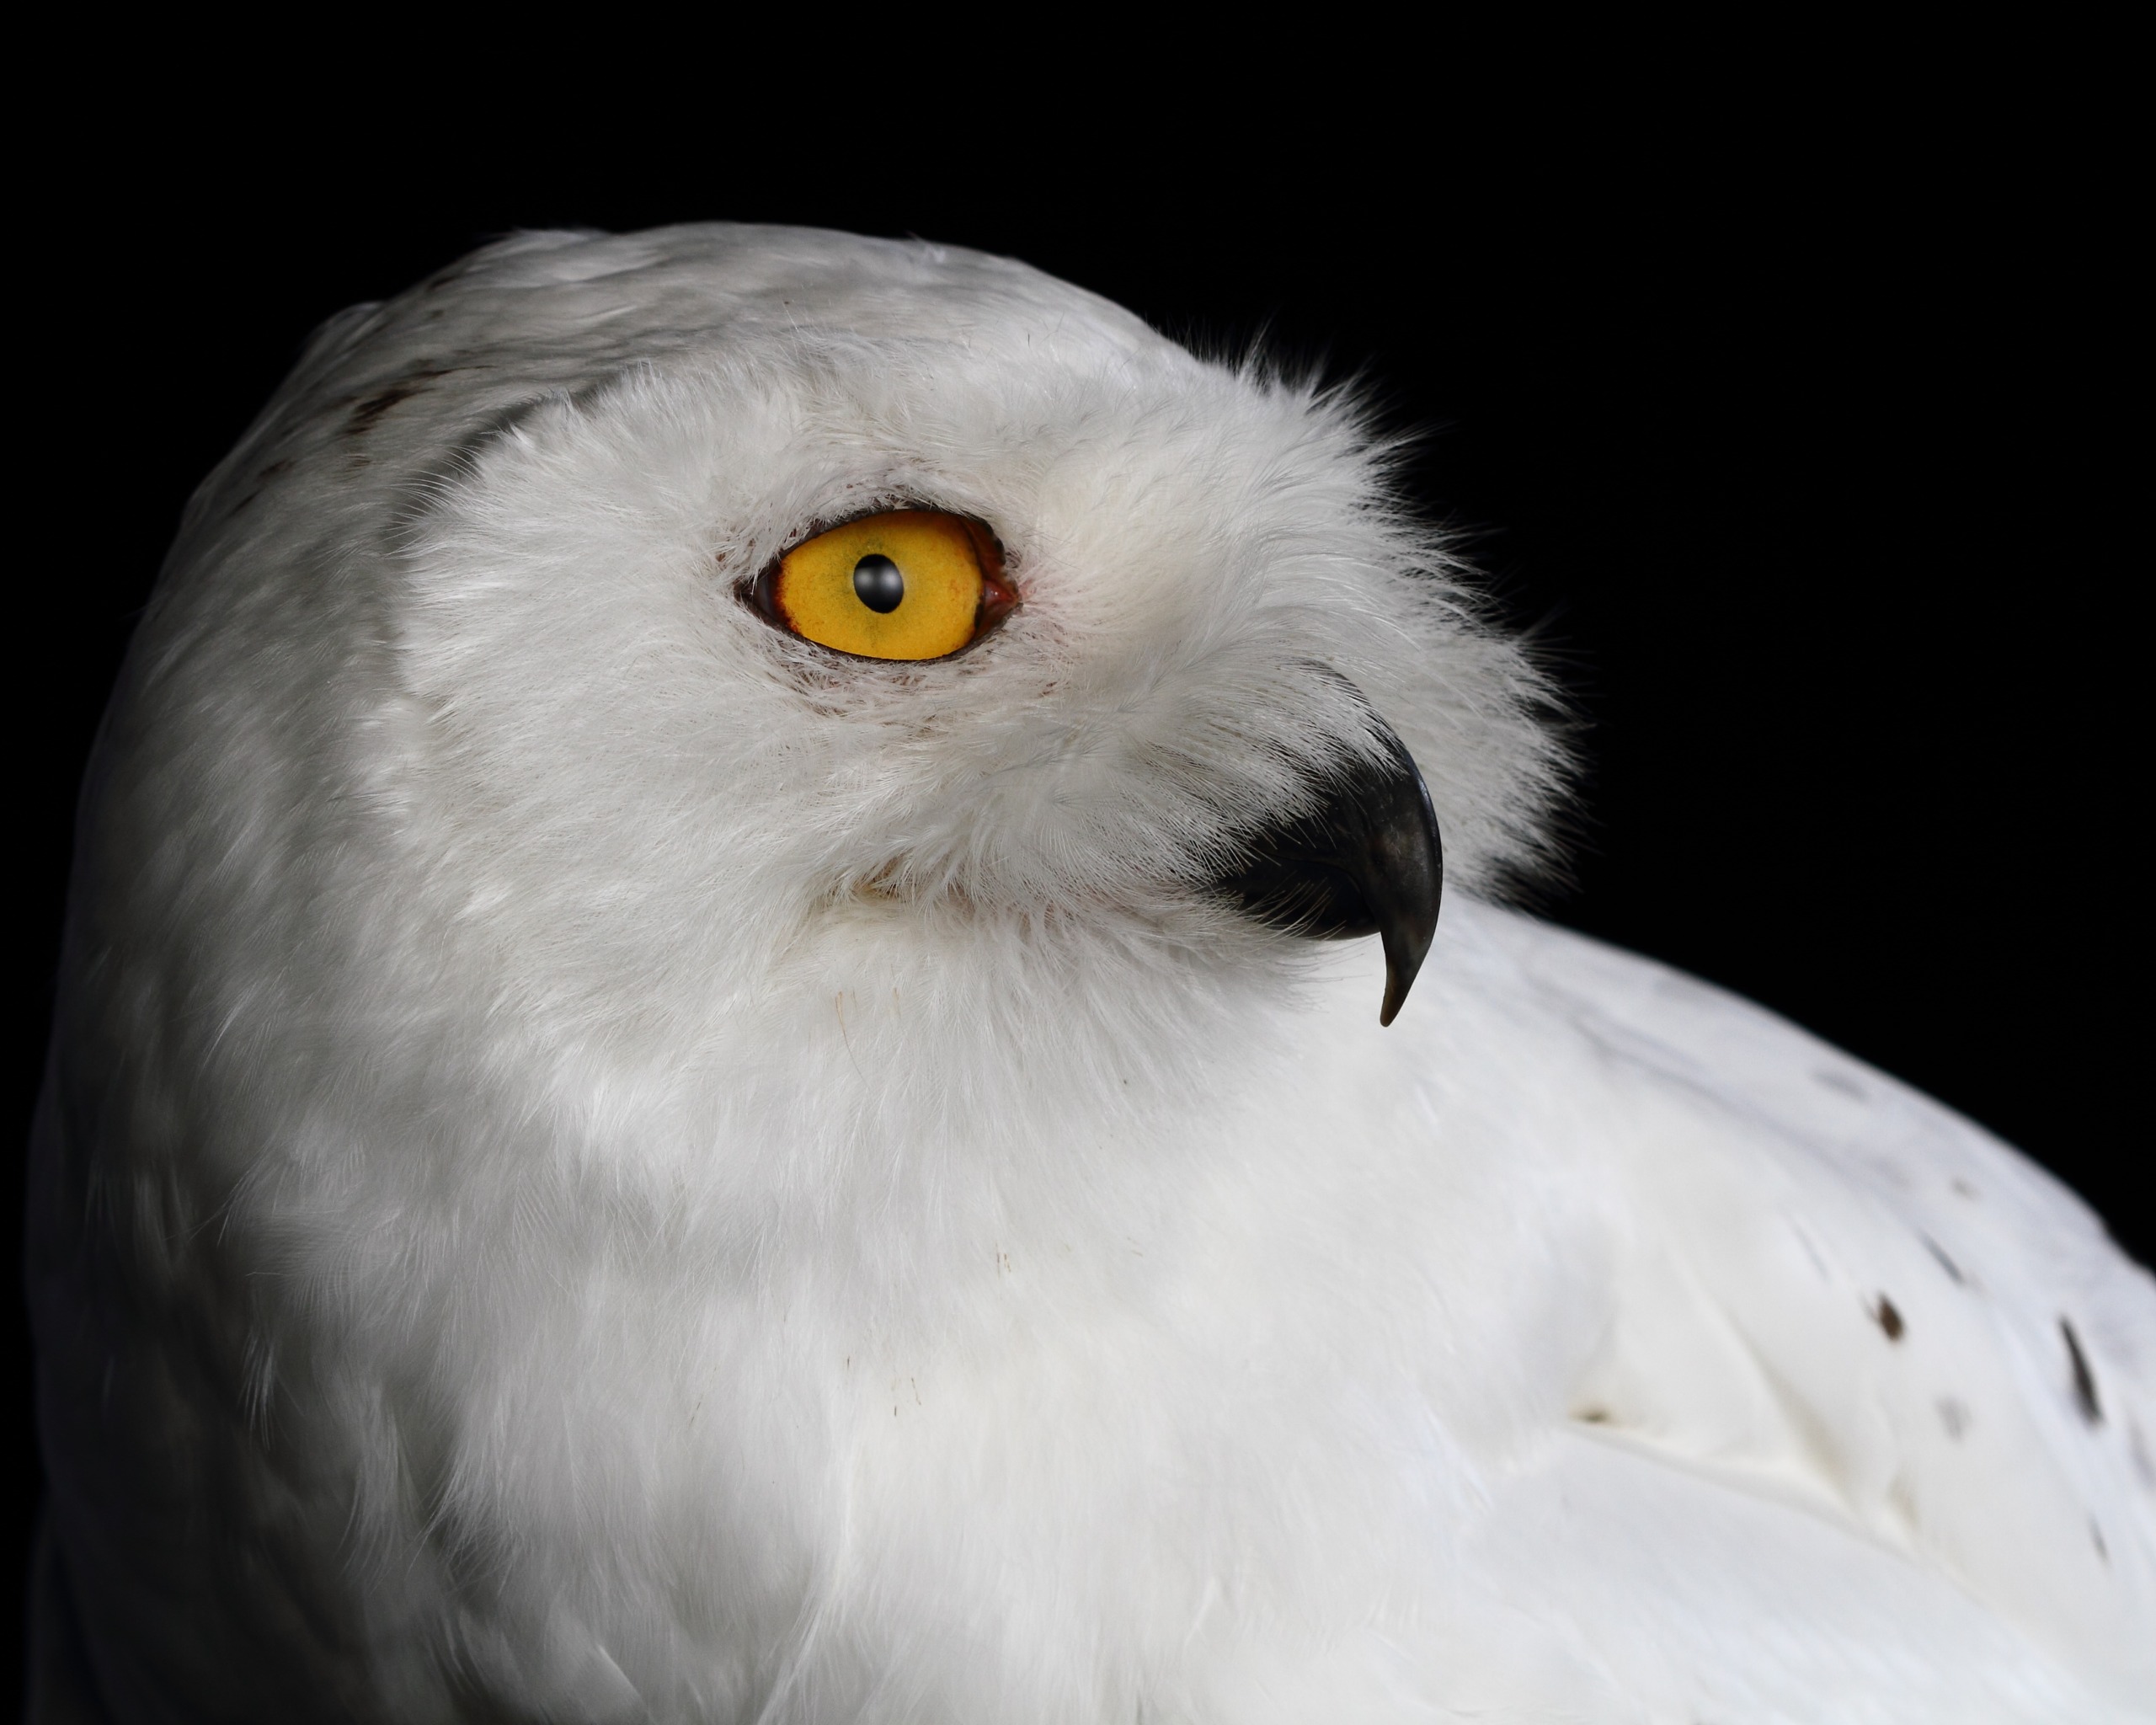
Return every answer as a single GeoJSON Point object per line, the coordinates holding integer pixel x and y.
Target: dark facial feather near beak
{"type": "Point", "coordinates": [1369, 860]}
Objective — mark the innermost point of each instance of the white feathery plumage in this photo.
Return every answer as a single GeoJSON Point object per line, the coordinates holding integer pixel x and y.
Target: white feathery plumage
{"type": "Point", "coordinates": [600, 1161]}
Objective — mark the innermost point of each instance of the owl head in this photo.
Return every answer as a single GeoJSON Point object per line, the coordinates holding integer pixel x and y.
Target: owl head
{"type": "Point", "coordinates": [527, 663]}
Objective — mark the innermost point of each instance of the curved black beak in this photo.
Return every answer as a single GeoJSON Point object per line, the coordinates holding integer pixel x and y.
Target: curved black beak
{"type": "Point", "coordinates": [1368, 861]}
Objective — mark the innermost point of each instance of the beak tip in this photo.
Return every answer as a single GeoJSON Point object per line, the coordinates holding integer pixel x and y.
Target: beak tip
{"type": "Point", "coordinates": [1398, 980]}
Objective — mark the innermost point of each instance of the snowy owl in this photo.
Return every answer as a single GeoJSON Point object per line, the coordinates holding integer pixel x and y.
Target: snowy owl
{"type": "Point", "coordinates": [692, 1083]}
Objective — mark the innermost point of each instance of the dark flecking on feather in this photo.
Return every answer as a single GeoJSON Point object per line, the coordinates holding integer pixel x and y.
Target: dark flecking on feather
{"type": "Point", "coordinates": [2085, 1397]}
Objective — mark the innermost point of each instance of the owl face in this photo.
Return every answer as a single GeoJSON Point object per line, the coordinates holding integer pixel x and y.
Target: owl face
{"type": "Point", "coordinates": [1215, 617]}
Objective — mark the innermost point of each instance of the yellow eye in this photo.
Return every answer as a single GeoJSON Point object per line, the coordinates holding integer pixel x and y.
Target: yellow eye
{"type": "Point", "coordinates": [910, 583]}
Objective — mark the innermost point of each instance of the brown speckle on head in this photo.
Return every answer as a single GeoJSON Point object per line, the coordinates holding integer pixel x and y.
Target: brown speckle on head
{"type": "Point", "coordinates": [1888, 1318]}
{"type": "Point", "coordinates": [370, 409]}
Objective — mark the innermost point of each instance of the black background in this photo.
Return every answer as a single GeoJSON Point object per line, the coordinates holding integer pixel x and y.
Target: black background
{"type": "Point", "coordinates": [1802, 440]}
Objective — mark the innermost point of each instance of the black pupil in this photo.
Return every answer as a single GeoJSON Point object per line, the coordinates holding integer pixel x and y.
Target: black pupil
{"type": "Point", "coordinates": [877, 584]}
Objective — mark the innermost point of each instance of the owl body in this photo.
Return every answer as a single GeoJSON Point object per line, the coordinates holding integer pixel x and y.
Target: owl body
{"type": "Point", "coordinates": [603, 1161]}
